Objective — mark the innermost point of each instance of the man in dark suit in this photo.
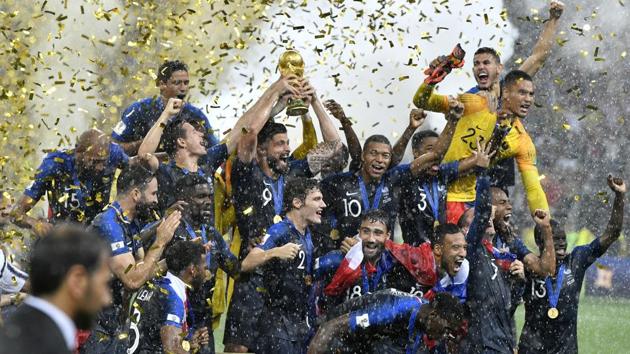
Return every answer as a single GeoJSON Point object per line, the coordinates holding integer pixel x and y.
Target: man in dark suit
{"type": "Point", "coordinates": [70, 284]}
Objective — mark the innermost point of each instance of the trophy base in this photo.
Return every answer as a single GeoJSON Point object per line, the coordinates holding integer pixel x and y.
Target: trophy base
{"type": "Point", "coordinates": [297, 111]}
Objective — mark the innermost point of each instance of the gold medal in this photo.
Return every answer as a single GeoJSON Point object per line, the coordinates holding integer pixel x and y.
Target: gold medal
{"type": "Point", "coordinates": [436, 223]}
{"type": "Point", "coordinates": [308, 280]}
{"type": "Point", "coordinates": [553, 313]}
{"type": "Point", "coordinates": [277, 219]}
{"type": "Point", "coordinates": [334, 234]}
{"type": "Point", "coordinates": [186, 345]}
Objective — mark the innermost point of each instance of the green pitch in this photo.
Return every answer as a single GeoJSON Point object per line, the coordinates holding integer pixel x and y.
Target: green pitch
{"type": "Point", "coordinates": [603, 325]}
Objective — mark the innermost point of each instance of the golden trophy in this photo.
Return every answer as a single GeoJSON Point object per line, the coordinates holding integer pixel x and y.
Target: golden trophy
{"type": "Point", "coordinates": [291, 63]}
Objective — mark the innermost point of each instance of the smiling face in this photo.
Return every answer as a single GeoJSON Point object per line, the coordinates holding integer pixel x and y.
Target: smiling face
{"type": "Point", "coordinates": [452, 252]}
{"type": "Point", "coordinates": [376, 158]}
{"type": "Point", "coordinates": [276, 151]}
{"type": "Point", "coordinates": [503, 206]}
{"type": "Point", "coordinates": [486, 70]}
{"type": "Point", "coordinates": [176, 85]}
{"type": "Point", "coordinates": [518, 97]}
{"type": "Point", "coordinates": [193, 140]}
{"type": "Point", "coordinates": [312, 206]}
{"type": "Point", "coordinates": [373, 235]}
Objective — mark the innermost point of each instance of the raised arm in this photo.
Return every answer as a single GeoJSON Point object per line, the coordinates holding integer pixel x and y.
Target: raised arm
{"type": "Point", "coordinates": [260, 113]}
{"type": "Point", "coordinates": [425, 98]}
{"type": "Point", "coordinates": [426, 160]}
{"type": "Point", "coordinates": [545, 265]}
{"type": "Point", "coordinates": [151, 141]}
{"type": "Point", "coordinates": [326, 125]}
{"type": "Point", "coordinates": [483, 201]}
{"type": "Point", "coordinates": [613, 229]}
{"type": "Point", "coordinates": [416, 118]}
{"type": "Point", "coordinates": [542, 48]}
{"type": "Point", "coordinates": [354, 145]}
{"type": "Point", "coordinates": [309, 138]}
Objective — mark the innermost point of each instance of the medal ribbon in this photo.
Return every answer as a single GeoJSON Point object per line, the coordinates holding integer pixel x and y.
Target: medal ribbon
{"type": "Point", "coordinates": [367, 287]}
{"type": "Point", "coordinates": [204, 238]}
{"type": "Point", "coordinates": [366, 198]}
{"type": "Point", "coordinates": [554, 293]}
{"type": "Point", "coordinates": [417, 338]}
{"type": "Point", "coordinates": [277, 191]}
{"type": "Point", "coordinates": [434, 198]}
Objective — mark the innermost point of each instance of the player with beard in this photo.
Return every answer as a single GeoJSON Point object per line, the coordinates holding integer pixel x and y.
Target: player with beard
{"type": "Point", "coordinates": [137, 119]}
{"type": "Point", "coordinates": [480, 117]}
{"type": "Point", "coordinates": [197, 225]}
{"type": "Point", "coordinates": [69, 285]}
{"type": "Point", "coordinates": [77, 182]}
{"type": "Point", "coordinates": [183, 139]}
{"type": "Point", "coordinates": [377, 263]}
{"type": "Point", "coordinates": [161, 319]}
{"type": "Point", "coordinates": [350, 195]}
{"type": "Point", "coordinates": [258, 179]}
{"type": "Point", "coordinates": [551, 303]}
{"type": "Point", "coordinates": [403, 317]}
{"type": "Point", "coordinates": [131, 265]}
{"type": "Point", "coordinates": [489, 290]}
{"type": "Point", "coordinates": [423, 197]}
{"type": "Point", "coordinates": [287, 257]}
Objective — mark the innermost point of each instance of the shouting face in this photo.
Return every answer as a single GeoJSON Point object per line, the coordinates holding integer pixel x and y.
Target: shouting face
{"type": "Point", "coordinates": [376, 159]}
{"type": "Point", "coordinates": [486, 70]}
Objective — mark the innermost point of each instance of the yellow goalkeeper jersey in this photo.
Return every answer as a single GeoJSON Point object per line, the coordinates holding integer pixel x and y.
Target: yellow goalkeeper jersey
{"type": "Point", "coordinates": [478, 122]}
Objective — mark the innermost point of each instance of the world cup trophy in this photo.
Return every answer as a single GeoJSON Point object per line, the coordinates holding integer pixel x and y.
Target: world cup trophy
{"type": "Point", "coordinates": [291, 63]}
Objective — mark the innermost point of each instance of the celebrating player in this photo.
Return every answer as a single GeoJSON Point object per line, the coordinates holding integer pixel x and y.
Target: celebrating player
{"type": "Point", "coordinates": [161, 319]}
{"type": "Point", "coordinates": [77, 182]}
{"type": "Point", "coordinates": [139, 117]}
{"type": "Point", "coordinates": [551, 303]}
{"type": "Point", "coordinates": [131, 265]}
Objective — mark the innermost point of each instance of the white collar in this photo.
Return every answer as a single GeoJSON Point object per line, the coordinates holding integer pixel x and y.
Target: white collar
{"type": "Point", "coordinates": [61, 319]}
{"type": "Point", "coordinates": [178, 285]}
{"type": "Point", "coordinates": [460, 277]}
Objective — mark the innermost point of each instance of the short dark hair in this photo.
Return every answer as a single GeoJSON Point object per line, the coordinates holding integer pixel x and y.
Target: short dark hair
{"type": "Point", "coordinates": [175, 130]}
{"type": "Point", "coordinates": [269, 130]}
{"type": "Point", "coordinates": [182, 254]}
{"type": "Point", "coordinates": [376, 215]}
{"type": "Point", "coordinates": [556, 230]}
{"type": "Point", "coordinates": [443, 230]}
{"type": "Point", "coordinates": [448, 307]}
{"type": "Point", "coordinates": [185, 186]}
{"type": "Point", "coordinates": [377, 138]}
{"type": "Point", "coordinates": [491, 51]}
{"type": "Point", "coordinates": [166, 70]}
{"type": "Point", "coordinates": [298, 187]}
{"type": "Point", "coordinates": [65, 246]}
{"type": "Point", "coordinates": [418, 137]}
{"type": "Point", "coordinates": [514, 77]}
{"type": "Point", "coordinates": [133, 176]}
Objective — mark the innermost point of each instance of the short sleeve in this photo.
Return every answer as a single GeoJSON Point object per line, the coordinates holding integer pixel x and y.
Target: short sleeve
{"type": "Point", "coordinates": [449, 172]}
{"type": "Point", "coordinates": [584, 256]}
{"type": "Point", "coordinates": [113, 234]}
{"type": "Point", "coordinates": [124, 130]}
{"type": "Point", "coordinates": [518, 247]}
{"type": "Point", "coordinates": [117, 156]}
{"type": "Point", "coordinates": [275, 237]}
{"type": "Point", "coordinates": [398, 173]}
{"type": "Point", "coordinates": [300, 168]}
{"type": "Point", "coordinates": [45, 173]}
{"type": "Point", "coordinates": [216, 156]}
{"type": "Point", "coordinates": [175, 312]}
